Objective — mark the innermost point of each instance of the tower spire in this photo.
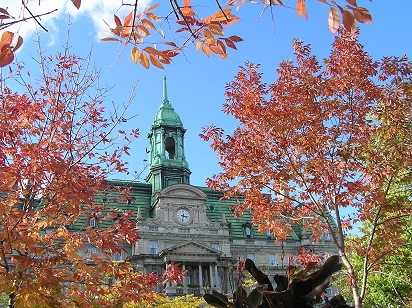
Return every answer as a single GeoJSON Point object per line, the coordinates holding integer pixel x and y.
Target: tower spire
{"type": "Point", "coordinates": [165, 99]}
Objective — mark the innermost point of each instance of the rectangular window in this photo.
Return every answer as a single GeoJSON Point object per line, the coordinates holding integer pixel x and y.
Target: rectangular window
{"type": "Point", "coordinates": [153, 248]}
{"type": "Point", "coordinates": [90, 251]}
{"type": "Point", "coordinates": [251, 256]}
{"type": "Point", "coordinates": [117, 256]}
{"type": "Point", "coordinates": [92, 222]}
{"type": "Point", "coordinates": [272, 259]}
{"type": "Point", "coordinates": [215, 246]}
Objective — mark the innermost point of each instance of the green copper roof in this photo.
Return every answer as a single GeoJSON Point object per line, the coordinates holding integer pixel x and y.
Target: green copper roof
{"type": "Point", "coordinates": [166, 115]}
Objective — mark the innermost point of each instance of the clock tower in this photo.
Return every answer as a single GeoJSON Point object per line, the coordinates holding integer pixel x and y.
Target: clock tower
{"type": "Point", "coordinates": [168, 163]}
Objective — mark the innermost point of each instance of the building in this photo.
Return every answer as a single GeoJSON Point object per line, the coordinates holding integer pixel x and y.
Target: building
{"type": "Point", "coordinates": [190, 225]}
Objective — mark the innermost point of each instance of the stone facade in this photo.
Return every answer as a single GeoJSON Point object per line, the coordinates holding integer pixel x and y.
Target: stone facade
{"type": "Point", "coordinates": [192, 226]}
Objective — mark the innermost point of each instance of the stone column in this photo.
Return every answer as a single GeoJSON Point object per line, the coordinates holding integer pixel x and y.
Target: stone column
{"type": "Point", "coordinates": [200, 276]}
{"type": "Point", "coordinates": [211, 275]}
{"type": "Point", "coordinates": [216, 276]}
{"type": "Point", "coordinates": [184, 279]}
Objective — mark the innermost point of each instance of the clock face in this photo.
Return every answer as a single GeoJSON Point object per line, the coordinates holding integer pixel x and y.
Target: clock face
{"type": "Point", "coordinates": [183, 215]}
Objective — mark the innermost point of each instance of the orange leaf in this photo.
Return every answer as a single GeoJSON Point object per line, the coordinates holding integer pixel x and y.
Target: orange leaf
{"type": "Point", "coordinates": [333, 20]}
{"type": "Point", "coordinates": [171, 44]}
{"type": "Point", "coordinates": [206, 50]}
{"type": "Point", "coordinates": [153, 7]}
{"type": "Point", "coordinates": [6, 38]}
{"type": "Point", "coordinates": [151, 50]}
{"type": "Point", "coordinates": [222, 15]}
{"type": "Point", "coordinates": [148, 24]}
{"type": "Point", "coordinates": [349, 21]}
{"type": "Point", "coordinates": [143, 60]}
{"type": "Point", "coordinates": [216, 49]}
{"type": "Point", "coordinates": [209, 36]}
{"type": "Point", "coordinates": [135, 55]}
{"type": "Point", "coordinates": [107, 39]}
{"type": "Point", "coordinates": [142, 30]}
{"type": "Point", "coordinates": [128, 20]}
{"type": "Point", "coordinates": [362, 15]}
{"type": "Point", "coordinates": [164, 59]}
{"type": "Point", "coordinates": [301, 8]}
{"type": "Point", "coordinates": [117, 21]}
{"type": "Point", "coordinates": [137, 38]}
{"type": "Point", "coordinates": [216, 29]}
{"type": "Point", "coordinates": [155, 61]}
{"type": "Point", "coordinates": [221, 46]}
{"type": "Point", "coordinates": [153, 17]}
{"type": "Point", "coordinates": [6, 57]}
{"type": "Point", "coordinates": [77, 3]}
{"type": "Point", "coordinates": [187, 11]}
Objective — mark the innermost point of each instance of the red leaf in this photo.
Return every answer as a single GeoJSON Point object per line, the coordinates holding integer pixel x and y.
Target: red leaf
{"type": "Point", "coordinates": [362, 15]}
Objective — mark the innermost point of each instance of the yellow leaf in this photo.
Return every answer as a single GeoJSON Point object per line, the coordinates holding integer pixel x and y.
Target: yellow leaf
{"type": "Point", "coordinates": [143, 60]}
{"type": "Point", "coordinates": [198, 45]}
{"type": "Point", "coordinates": [205, 50]}
{"type": "Point", "coordinates": [135, 55]}
{"type": "Point", "coordinates": [333, 20]}
{"type": "Point", "coordinates": [301, 8]}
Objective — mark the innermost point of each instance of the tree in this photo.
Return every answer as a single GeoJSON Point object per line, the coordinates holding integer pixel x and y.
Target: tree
{"type": "Point", "coordinates": [206, 33]}
{"type": "Point", "coordinates": [57, 148]}
{"type": "Point", "coordinates": [389, 283]}
{"type": "Point", "coordinates": [319, 141]}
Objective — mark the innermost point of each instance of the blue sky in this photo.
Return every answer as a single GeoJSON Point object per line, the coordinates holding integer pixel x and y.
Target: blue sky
{"type": "Point", "coordinates": [196, 83]}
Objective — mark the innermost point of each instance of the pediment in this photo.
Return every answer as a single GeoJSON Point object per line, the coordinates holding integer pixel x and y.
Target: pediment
{"type": "Point", "coordinates": [190, 248]}
{"type": "Point", "coordinates": [183, 191]}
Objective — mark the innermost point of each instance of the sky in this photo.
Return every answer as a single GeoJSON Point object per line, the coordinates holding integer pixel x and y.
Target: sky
{"type": "Point", "coordinates": [195, 82]}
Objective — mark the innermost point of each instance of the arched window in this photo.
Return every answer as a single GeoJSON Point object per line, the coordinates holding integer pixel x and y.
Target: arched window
{"type": "Point", "coordinates": [170, 148]}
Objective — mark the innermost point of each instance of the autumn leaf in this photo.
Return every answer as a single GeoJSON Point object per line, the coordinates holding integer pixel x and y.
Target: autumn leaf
{"type": "Point", "coordinates": [143, 60]}
{"type": "Point", "coordinates": [148, 24]}
{"type": "Point", "coordinates": [352, 2]}
{"type": "Point", "coordinates": [301, 8]}
{"type": "Point", "coordinates": [153, 17]}
{"type": "Point", "coordinates": [135, 55]}
{"type": "Point", "coordinates": [77, 3]}
{"type": "Point", "coordinates": [362, 15]}
{"type": "Point", "coordinates": [117, 21]}
{"type": "Point", "coordinates": [155, 61]}
{"type": "Point", "coordinates": [216, 29]}
{"type": "Point", "coordinates": [142, 30]}
{"type": "Point", "coordinates": [333, 20]}
{"type": "Point", "coordinates": [349, 21]}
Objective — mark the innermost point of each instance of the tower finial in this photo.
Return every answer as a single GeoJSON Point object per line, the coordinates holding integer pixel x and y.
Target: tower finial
{"type": "Point", "coordinates": [164, 90]}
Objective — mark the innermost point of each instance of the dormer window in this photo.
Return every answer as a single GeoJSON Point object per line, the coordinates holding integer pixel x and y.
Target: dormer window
{"type": "Point", "coordinates": [92, 222]}
{"type": "Point", "coordinates": [247, 227]}
{"type": "Point", "coordinates": [170, 148]}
